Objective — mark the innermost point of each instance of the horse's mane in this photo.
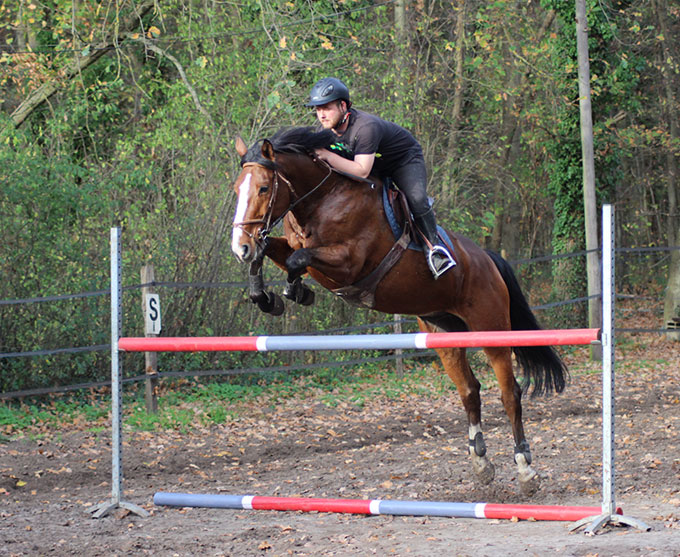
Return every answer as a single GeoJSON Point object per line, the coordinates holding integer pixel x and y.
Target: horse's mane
{"type": "Point", "coordinates": [290, 140]}
{"type": "Point", "coordinates": [301, 140]}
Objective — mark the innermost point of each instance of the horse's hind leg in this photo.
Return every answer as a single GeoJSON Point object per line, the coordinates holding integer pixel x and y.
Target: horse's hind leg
{"type": "Point", "coordinates": [511, 396]}
{"type": "Point", "coordinates": [458, 369]}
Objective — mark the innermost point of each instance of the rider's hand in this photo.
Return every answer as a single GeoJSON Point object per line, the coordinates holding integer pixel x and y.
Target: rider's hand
{"type": "Point", "coordinates": [322, 154]}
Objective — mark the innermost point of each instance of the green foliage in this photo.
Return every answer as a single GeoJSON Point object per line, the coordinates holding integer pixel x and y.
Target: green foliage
{"type": "Point", "coordinates": [614, 80]}
{"type": "Point", "coordinates": [132, 141]}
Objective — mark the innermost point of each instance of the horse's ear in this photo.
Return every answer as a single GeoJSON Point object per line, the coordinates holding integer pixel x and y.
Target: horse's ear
{"type": "Point", "coordinates": [241, 148]}
{"type": "Point", "coordinates": [267, 150]}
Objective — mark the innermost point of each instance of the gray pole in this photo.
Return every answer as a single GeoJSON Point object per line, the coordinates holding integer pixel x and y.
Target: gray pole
{"type": "Point", "coordinates": [116, 390]}
{"type": "Point", "coordinates": [608, 303]}
{"type": "Point", "coordinates": [608, 417]}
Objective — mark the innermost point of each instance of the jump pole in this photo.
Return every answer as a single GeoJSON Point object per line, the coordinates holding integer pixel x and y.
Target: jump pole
{"type": "Point", "coordinates": [607, 514]}
{"type": "Point", "coordinates": [376, 506]}
{"type": "Point", "coordinates": [418, 341]}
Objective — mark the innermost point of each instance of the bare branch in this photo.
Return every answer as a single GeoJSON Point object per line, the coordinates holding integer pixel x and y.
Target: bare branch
{"type": "Point", "coordinates": [197, 103]}
{"type": "Point", "coordinates": [49, 88]}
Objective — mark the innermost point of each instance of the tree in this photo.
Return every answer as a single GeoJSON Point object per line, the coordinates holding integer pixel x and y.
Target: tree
{"type": "Point", "coordinates": [74, 68]}
{"type": "Point", "coordinates": [669, 71]}
{"type": "Point", "coordinates": [589, 201]}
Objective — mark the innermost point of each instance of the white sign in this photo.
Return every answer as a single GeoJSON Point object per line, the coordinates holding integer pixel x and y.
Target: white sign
{"type": "Point", "coordinates": [152, 314]}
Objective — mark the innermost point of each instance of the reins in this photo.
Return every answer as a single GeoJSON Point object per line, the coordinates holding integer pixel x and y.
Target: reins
{"type": "Point", "coordinates": [266, 219]}
{"type": "Point", "coordinates": [299, 200]}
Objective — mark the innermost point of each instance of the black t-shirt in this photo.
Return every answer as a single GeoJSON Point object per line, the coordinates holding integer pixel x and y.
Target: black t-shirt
{"type": "Point", "coordinates": [393, 145]}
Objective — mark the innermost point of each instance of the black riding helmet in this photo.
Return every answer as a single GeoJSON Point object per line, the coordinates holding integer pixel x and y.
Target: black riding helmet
{"type": "Point", "coordinates": [327, 90]}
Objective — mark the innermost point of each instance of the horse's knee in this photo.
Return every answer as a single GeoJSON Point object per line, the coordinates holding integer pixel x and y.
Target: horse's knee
{"type": "Point", "coordinates": [297, 262]}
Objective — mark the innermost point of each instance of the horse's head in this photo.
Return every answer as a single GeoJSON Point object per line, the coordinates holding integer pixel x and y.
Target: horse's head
{"type": "Point", "coordinates": [260, 200]}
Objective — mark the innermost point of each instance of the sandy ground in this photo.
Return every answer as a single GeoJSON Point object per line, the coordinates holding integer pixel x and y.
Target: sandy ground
{"type": "Point", "coordinates": [407, 448]}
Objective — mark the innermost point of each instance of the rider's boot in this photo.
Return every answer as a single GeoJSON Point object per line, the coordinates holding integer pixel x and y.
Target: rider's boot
{"type": "Point", "coordinates": [439, 259]}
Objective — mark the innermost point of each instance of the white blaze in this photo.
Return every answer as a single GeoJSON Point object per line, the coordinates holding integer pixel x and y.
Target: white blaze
{"type": "Point", "coordinates": [243, 194]}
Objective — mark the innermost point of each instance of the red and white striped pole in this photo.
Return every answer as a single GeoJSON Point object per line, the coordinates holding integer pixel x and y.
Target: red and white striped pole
{"type": "Point", "coordinates": [377, 506]}
{"type": "Point", "coordinates": [361, 342]}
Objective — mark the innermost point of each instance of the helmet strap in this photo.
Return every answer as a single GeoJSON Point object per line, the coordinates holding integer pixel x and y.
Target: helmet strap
{"type": "Point", "coordinates": [344, 118]}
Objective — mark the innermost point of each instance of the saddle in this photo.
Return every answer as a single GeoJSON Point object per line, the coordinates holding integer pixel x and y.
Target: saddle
{"type": "Point", "coordinates": [362, 292]}
{"type": "Point", "coordinates": [398, 212]}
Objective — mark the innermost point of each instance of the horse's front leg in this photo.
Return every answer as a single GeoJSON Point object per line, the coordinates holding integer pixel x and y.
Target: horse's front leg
{"type": "Point", "coordinates": [268, 302]}
{"type": "Point", "coordinates": [278, 250]}
{"type": "Point", "coordinates": [458, 369]}
{"type": "Point", "coordinates": [299, 292]}
{"type": "Point", "coordinates": [336, 261]}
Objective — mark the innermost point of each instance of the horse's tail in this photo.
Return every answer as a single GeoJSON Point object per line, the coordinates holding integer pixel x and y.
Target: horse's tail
{"type": "Point", "coordinates": [543, 367]}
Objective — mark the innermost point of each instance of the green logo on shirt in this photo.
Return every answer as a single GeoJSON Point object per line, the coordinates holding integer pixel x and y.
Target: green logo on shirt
{"type": "Point", "coordinates": [339, 146]}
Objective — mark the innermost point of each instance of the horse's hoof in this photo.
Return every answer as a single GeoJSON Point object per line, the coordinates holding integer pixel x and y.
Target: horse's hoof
{"type": "Point", "coordinates": [277, 306]}
{"type": "Point", "coordinates": [270, 303]}
{"type": "Point", "coordinates": [529, 482]}
{"type": "Point", "coordinates": [484, 470]}
{"type": "Point", "coordinates": [307, 297]}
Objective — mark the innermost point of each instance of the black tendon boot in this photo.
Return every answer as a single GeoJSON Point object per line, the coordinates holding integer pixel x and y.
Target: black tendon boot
{"type": "Point", "coordinates": [438, 257]}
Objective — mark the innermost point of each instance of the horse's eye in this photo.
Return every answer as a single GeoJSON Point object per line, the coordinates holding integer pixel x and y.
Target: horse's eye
{"type": "Point", "coordinates": [264, 189]}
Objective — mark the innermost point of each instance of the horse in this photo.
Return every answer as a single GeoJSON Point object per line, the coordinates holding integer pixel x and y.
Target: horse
{"type": "Point", "coordinates": [336, 230]}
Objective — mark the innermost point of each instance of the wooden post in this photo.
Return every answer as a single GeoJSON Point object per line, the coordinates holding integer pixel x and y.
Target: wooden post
{"type": "Point", "coordinates": [399, 351]}
{"type": "Point", "coordinates": [589, 193]}
{"type": "Point", "coordinates": [150, 358]}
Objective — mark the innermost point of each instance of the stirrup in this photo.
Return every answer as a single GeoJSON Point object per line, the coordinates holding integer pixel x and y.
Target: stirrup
{"type": "Point", "coordinates": [446, 262]}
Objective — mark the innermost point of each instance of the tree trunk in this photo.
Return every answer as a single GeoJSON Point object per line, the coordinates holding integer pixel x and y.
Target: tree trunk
{"type": "Point", "coordinates": [448, 175]}
{"type": "Point", "coordinates": [458, 84]}
{"type": "Point", "coordinates": [509, 128]}
{"type": "Point", "coordinates": [589, 199]}
{"type": "Point", "coordinates": [671, 311]}
{"type": "Point", "coordinates": [400, 20]}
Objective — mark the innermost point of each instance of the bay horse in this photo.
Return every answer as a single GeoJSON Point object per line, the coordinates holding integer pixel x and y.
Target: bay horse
{"type": "Point", "coordinates": [336, 230]}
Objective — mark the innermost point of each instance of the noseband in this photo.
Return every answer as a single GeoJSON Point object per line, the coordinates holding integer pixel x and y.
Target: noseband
{"type": "Point", "coordinates": [266, 219]}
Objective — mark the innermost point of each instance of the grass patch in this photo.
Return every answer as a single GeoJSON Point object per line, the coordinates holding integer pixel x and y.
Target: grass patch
{"type": "Point", "coordinates": [187, 404]}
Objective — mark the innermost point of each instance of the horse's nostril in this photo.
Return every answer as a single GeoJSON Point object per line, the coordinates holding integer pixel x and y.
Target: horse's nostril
{"type": "Point", "coordinates": [245, 251]}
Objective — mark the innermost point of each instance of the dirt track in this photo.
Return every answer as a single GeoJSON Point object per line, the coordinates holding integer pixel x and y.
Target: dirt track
{"type": "Point", "coordinates": [410, 448]}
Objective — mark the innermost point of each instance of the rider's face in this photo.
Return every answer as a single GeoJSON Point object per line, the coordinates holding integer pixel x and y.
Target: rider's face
{"type": "Point", "coordinates": [330, 114]}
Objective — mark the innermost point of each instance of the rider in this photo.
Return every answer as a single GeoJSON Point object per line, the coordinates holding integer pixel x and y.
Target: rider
{"type": "Point", "coordinates": [367, 144]}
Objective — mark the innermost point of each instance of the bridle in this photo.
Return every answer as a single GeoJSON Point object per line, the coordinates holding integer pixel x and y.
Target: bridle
{"type": "Point", "coordinates": [267, 221]}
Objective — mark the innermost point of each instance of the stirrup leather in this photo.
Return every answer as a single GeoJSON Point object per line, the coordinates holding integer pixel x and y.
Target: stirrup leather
{"type": "Point", "coordinates": [444, 266]}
